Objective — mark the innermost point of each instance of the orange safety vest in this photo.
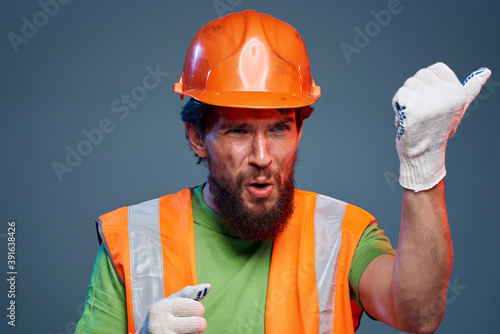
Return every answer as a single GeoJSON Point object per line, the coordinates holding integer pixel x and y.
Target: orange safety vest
{"type": "Point", "coordinates": [153, 250]}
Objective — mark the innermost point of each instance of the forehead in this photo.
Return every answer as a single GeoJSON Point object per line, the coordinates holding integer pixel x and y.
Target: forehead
{"type": "Point", "coordinates": [223, 115]}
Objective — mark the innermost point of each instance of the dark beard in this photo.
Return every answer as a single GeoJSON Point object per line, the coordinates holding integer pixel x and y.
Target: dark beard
{"type": "Point", "coordinates": [259, 223]}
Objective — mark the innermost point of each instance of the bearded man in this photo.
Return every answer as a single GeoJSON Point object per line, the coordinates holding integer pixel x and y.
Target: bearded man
{"type": "Point", "coordinates": [277, 259]}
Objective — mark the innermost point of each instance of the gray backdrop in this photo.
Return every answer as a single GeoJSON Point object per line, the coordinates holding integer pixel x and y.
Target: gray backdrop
{"type": "Point", "coordinates": [66, 64]}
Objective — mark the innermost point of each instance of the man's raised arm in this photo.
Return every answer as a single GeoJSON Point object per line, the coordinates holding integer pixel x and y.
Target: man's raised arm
{"type": "Point", "coordinates": [408, 291]}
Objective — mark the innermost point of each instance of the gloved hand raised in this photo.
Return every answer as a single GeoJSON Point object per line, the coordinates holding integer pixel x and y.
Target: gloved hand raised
{"type": "Point", "coordinates": [178, 313]}
{"type": "Point", "coordinates": [429, 107]}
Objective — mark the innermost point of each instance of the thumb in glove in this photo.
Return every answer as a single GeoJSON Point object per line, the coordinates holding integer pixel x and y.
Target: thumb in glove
{"type": "Point", "coordinates": [180, 312]}
{"type": "Point", "coordinates": [472, 86]}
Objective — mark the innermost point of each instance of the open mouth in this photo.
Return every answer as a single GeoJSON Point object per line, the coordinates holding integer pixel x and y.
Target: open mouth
{"type": "Point", "coordinates": [260, 190]}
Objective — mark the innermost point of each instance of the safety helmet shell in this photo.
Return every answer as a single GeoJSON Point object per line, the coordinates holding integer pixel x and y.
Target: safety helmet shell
{"type": "Point", "coordinates": [248, 60]}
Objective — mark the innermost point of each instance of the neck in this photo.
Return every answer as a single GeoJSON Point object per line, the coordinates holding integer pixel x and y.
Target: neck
{"type": "Point", "coordinates": [209, 198]}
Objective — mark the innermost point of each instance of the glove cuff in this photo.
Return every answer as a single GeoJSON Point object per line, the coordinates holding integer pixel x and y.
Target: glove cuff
{"type": "Point", "coordinates": [421, 172]}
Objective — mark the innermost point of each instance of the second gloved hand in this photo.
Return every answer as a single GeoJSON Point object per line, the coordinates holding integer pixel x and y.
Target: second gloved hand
{"type": "Point", "coordinates": [428, 108]}
{"type": "Point", "coordinates": [179, 313]}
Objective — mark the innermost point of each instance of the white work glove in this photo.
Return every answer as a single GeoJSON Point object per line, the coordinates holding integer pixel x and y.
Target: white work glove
{"type": "Point", "coordinates": [178, 313]}
{"type": "Point", "coordinates": [429, 107]}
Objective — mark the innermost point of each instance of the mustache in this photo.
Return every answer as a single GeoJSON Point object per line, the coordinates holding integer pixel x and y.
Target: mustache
{"type": "Point", "coordinates": [267, 173]}
{"type": "Point", "coordinates": [254, 174]}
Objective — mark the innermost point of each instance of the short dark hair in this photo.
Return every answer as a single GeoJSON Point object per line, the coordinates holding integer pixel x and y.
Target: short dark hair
{"type": "Point", "coordinates": [196, 112]}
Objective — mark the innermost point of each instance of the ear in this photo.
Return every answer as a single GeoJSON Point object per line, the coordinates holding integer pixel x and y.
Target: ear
{"type": "Point", "coordinates": [196, 141]}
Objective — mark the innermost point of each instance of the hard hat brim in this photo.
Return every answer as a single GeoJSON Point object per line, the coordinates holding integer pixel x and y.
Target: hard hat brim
{"type": "Point", "coordinates": [256, 100]}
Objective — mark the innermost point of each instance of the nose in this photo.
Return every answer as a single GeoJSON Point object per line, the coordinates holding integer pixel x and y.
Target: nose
{"type": "Point", "coordinates": [260, 156]}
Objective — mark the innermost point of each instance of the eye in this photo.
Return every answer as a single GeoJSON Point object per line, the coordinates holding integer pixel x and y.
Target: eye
{"type": "Point", "coordinates": [281, 128]}
{"type": "Point", "coordinates": [236, 131]}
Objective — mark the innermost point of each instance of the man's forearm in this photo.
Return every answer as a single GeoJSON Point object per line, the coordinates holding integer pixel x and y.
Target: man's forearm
{"type": "Point", "coordinates": [408, 292]}
{"type": "Point", "coordinates": [423, 260]}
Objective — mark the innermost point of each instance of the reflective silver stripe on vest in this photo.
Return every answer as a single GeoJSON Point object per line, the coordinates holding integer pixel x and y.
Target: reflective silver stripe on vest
{"type": "Point", "coordinates": [146, 263]}
{"type": "Point", "coordinates": [328, 218]}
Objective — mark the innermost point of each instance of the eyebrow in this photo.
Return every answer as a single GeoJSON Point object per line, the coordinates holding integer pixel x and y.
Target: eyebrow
{"type": "Point", "coordinates": [231, 125]}
{"type": "Point", "coordinates": [288, 119]}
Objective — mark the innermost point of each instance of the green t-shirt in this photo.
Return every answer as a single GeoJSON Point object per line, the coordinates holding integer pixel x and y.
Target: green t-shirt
{"type": "Point", "coordinates": [237, 269]}
{"type": "Point", "coordinates": [105, 305]}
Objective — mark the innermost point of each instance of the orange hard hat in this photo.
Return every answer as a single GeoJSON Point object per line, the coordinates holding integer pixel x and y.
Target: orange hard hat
{"type": "Point", "coordinates": [248, 60]}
